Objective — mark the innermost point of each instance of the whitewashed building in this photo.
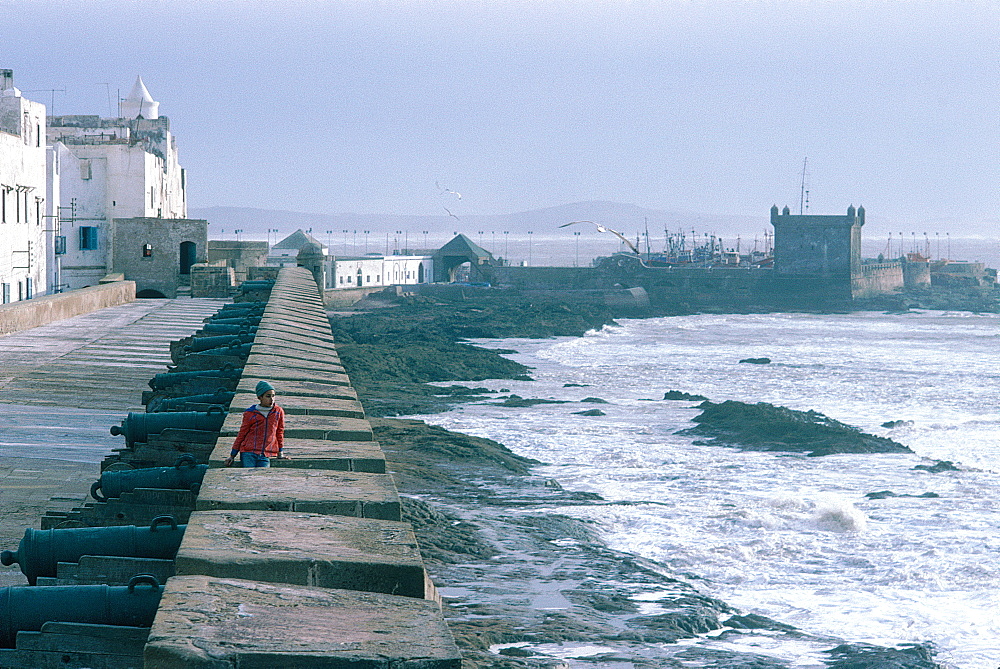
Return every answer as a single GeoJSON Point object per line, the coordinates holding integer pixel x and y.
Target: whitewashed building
{"type": "Point", "coordinates": [111, 168]}
{"type": "Point", "coordinates": [378, 270]}
{"type": "Point", "coordinates": [22, 194]}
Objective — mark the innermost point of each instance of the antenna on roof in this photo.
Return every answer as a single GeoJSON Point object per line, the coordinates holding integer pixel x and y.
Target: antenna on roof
{"type": "Point", "coordinates": [804, 191]}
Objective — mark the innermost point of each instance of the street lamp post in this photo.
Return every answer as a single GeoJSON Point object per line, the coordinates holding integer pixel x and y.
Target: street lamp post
{"type": "Point", "coordinates": [237, 234]}
{"type": "Point", "coordinates": [576, 263]}
{"type": "Point", "coordinates": [529, 247]}
{"type": "Point", "coordinates": [366, 241]}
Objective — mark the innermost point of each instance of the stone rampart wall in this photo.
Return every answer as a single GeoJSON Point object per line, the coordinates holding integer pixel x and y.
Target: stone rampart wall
{"type": "Point", "coordinates": [308, 562]}
{"type": "Point", "coordinates": [27, 314]}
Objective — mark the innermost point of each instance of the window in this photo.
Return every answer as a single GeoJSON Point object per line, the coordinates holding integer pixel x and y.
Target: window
{"type": "Point", "coordinates": [147, 250]}
{"type": "Point", "coordinates": [85, 171]}
{"type": "Point", "coordinates": [29, 289]}
{"type": "Point", "coordinates": [6, 292]}
{"type": "Point", "coordinates": [60, 245]}
{"type": "Point", "coordinates": [88, 238]}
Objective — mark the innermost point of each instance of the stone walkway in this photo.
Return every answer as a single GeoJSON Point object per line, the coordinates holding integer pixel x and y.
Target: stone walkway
{"type": "Point", "coordinates": [62, 386]}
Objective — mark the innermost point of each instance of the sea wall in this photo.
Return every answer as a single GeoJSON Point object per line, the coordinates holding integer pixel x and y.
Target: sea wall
{"type": "Point", "coordinates": [306, 563]}
{"type": "Point", "coordinates": [27, 314]}
{"type": "Point", "coordinates": [878, 279]}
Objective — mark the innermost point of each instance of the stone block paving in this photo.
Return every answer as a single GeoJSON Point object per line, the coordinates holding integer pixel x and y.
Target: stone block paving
{"type": "Point", "coordinates": [62, 386]}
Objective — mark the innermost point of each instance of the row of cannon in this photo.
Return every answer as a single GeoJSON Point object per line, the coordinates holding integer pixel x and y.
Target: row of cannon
{"type": "Point", "coordinates": [210, 360]}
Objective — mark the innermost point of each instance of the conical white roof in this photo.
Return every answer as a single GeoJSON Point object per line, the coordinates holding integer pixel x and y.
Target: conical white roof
{"type": "Point", "coordinates": [140, 102]}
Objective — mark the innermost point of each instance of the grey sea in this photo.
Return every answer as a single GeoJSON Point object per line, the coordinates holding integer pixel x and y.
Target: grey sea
{"type": "Point", "coordinates": [790, 537]}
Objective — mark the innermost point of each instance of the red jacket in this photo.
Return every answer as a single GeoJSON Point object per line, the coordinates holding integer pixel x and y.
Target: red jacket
{"type": "Point", "coordinates": [264, 435]}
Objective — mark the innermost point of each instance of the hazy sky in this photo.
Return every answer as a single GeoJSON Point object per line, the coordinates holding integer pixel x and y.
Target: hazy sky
{"type": "Point", "coordinates": [711, 106]}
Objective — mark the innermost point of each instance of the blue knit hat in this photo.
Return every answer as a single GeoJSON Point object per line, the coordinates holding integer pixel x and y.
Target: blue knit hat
{"type": "Point", "coordinates": [263, 387]}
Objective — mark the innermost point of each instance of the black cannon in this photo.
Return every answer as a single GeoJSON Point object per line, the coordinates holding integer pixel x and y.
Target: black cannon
{"type": "Point", "coordinates": [242, 308]}
{"type": "Point", "coordinates": [234, 351]}
{"type": "Point", "coordinates": [164, 381]}
{"type": "Point", "coordinates": [242, 321]}
{"type": "Point", "coordinates": [256, 284]}
{"type": "Point", "coordinates": [203, 343]}
{"type": "Point", "coordinates": [227, 328]}
{"type": "Point", "coordinates": [219, 398]}
{"type": "Point", "coordinates": [184, 475]}
{"type": "Point", "coordinates": [136, 427]}
{"type": "Point", "coordinates": [40, 551]}
{"type": "Point", "coordinates": [24, 608]}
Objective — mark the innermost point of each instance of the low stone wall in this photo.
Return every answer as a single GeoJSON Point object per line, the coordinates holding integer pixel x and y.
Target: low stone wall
{"type": "Point", "coordinates": [348, 296]}
{"type": "Point", "coordinates": [28, 314]}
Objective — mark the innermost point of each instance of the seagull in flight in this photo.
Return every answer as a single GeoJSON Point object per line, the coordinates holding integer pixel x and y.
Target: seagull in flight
{"type": "Point", "coordinates": [451, 214]}
{"type": "Point", "coordinates": [601, 228]}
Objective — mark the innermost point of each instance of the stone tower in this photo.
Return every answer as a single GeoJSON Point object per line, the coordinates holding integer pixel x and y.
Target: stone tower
{"type": "Point", "coordinates": [826, 247]}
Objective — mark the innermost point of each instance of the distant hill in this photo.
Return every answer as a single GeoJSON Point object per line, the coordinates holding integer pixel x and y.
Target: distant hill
{"type": "Point", "coordinates": [626, 218]}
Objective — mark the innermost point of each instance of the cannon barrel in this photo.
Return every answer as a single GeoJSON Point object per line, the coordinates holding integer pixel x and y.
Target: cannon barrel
{"type": "Point", "coordinates": [136, 427]}
{"type": "Point", "coordinates": [24, 608]}
{"type": "Point", "coordinates": [184, 475]}
{"type": "Point", "coordinates": [163, 381]}
{"type": "Point", "coordinates": [237, 351]}
{"type": "Point", "coordinates": [40, 551]}
{"type": "Point", "coordinates": [227, 328]}
{"type": "Point", "coordinates": [205, 342]}
{"type": "Point", "coordinates": [242, 321]}
{"type": "Point", "coordinates": [220, 398]}
{"type": "Point", "coordinates": [242, 307]}
{"type": "Point", "coordinates": [256, 284]}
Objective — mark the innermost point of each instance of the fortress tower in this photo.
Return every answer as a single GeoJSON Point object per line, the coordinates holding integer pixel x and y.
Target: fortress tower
{"type": "Point", "coordinates": [827, 247]}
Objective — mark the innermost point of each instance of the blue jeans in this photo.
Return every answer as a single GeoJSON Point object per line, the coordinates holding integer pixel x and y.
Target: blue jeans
{"type": "Point", "coordinates": [254, 460]}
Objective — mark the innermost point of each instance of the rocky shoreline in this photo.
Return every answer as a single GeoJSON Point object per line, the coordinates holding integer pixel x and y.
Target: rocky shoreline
{"type": "Point", "coordinates": [522, 584]}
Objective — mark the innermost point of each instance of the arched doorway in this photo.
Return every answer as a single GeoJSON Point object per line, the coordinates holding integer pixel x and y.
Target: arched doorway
{"type": "Point", "coordinates": [420, 273]}
{"type": "Point", "coordinates": [189, 254]}
{"type": "Point", "coordinates": [360, 282]}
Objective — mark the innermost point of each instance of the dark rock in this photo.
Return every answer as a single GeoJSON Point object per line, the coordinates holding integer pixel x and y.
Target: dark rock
{"type": "Point", "coordinates": [753, 621]}
{"type": "Point", "coordinates": [757, 361]}
{"type": "Point", "coordinates": [590, 412]}
{"type": "Point", "coordinates": [516, 401]}
{"type": "Point", "coordinates": [938, 467]}
{"type": "Point", "coordinates": [515, 651]}
{"type": "Point", "coordinates": [765, 427]}
{"type": "Point", "coordinates": [863, 656]}
{"type": "Point", "coordinates": [669, 627]}
{"type": "Point", "coordinates": [884, 494]}
{"type": "Point", "coordinates": [678, 395]}
{"type": "Point", "coordinates": [575, 385]}
{"type": "Point", "coordinates": [595, 400]}
{"type": "Point", "coordinates": [897, 423]}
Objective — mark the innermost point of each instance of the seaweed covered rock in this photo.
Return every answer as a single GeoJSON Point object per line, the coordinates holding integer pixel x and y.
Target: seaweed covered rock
{"type": "Point", "coordinates": [679, 395]}
{"type": "Point", "coordinates": [766, 427]}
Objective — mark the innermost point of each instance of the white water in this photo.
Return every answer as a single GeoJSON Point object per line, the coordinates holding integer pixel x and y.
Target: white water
{"type": "Point", "coordinates": [786, 536]}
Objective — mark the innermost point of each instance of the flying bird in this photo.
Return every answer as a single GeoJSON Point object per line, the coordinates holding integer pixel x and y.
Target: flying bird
{"type": "Point", "coordinates": [601, 228]}
{"type": "Point", "coordinates": [448, 191]}
{"type": "Point", "coordinates": [451, 214]}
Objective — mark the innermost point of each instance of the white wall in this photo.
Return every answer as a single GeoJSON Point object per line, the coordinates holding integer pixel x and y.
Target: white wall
{"type": "Point", "coordinates": [23, 190]}
{"type": "Point", "coordinates": [112, 168]}
{"type": "Point", "coordinates": [342, 273]}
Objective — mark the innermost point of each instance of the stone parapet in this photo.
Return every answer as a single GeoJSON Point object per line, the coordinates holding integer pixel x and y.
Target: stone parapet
{"type": "Point", "coordinates": [206, 623]}
{"type": "Point", "coordinates": [28, 314]}
{"type": "Point", "coordinates": [305, 563]}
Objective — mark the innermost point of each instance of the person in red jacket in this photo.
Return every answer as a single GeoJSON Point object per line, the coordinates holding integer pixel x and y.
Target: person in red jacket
{"type": "Point", "coordinates": [262, 434]}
